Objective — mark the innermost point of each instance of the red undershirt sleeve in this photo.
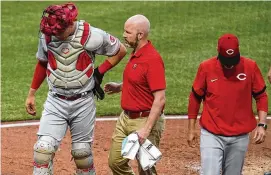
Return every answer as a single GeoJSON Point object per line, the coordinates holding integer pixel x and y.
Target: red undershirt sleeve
{"type": "Point", "coordinates": [39, 74]}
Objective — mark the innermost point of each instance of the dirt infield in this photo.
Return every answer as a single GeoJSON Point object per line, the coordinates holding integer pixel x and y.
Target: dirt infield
{"type": "Point", "coordinates": [178, 158]}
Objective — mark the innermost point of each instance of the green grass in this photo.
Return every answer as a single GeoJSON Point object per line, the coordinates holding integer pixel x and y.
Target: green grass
{"type": "Point", "coordinates": [185, 33]}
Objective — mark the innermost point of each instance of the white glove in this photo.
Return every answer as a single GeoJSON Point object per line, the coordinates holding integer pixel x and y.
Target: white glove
{"type": "Point", "coordinates": [130, 146]}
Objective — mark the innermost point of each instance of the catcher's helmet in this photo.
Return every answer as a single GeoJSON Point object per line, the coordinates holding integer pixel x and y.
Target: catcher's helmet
{"type": "Point", "coordinates": [56, 18]}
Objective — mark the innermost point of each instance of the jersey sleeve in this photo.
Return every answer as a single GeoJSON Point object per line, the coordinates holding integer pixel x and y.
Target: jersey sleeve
{"type": "Point", "coordinates": [42, 49]}
{"type": "Point", "coordinates": [258, 84]}
{"type": "Point", "coordinates": [199, 85]}
{"type": "Point", "coordinates": [103, 43]}
{"type": "Point", "coordinates": [156, 75]}
{"type": "Point", "coordinates": [197, 94]}
{"type": "Point", "coordinates": [193, 106]}
{"type": "Point", "coordinates": [259, 90]}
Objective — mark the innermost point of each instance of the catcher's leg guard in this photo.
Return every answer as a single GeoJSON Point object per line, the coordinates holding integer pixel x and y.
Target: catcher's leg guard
{"type": "Point", "coordinates": [83, 158]}
{"type": "Point", "coordinates": [44, 151]}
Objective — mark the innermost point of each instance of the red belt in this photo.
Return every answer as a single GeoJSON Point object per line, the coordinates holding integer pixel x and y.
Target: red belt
{"type": "Point", "coordinates": [134, 115]}
{"type": "Point", "coordinates": [74, 97]}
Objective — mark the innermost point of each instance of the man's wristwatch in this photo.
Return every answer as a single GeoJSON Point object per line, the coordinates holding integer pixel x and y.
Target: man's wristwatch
{"type": "Point", "coordinates": [263, 125]}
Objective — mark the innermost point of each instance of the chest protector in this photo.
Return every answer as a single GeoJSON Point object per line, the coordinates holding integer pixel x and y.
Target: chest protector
{"type": "Point", "coordinates": [69, 65]}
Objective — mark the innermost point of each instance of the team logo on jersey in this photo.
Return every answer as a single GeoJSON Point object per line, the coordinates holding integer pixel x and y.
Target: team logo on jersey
{"type": "Point", "coordinates": [112, 40]}
{"type": "Point", "coordinates": [134, 66]}
{"type": "Point", "coordinates": [213, 80]}
{"type": "Point", "coordinates": [241, 76]}
{"type": "Point", "coordinates": [65, 50]}
{"type": "Point", "coordinates": [230, 51]}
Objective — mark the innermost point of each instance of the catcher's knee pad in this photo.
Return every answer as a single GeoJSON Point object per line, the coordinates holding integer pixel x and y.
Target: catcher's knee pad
{"type": "Point", "coordinates": [83, 158]}
{"type": "Point", "coordinates": [44, 151]}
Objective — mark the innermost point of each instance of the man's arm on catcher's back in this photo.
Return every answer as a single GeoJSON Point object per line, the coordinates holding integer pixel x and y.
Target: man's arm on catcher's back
{"type": "Point", "coordinates": [38, 78]}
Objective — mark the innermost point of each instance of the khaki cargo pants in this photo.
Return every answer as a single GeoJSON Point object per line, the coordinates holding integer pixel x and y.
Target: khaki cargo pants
{"type": "Point", "coordinates": [124, 127]}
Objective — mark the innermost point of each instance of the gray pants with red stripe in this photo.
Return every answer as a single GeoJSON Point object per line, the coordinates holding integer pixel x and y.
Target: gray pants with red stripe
{"type": "Point", "coordinates": [222, 154]}
{"type": "Point", "coordinates": [79, 115]}
{"type": "Point", "coordinates": [59, 115]}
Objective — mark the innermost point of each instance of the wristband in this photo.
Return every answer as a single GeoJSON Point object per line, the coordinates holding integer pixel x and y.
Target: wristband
{"type": "Point", "coordinates": [105, 66]}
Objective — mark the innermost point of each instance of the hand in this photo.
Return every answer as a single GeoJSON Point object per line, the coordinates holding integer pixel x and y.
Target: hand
{"type": "Point", "coordinates": [191, 138]}
{"type": "Point", "coordinates": [259, 135]}
{"type": "Point", "coordinates": [30, 105]}
{"type": "Point", "coordinates": [142, 134]}
{"type": "Point", "coordinates": [269, 76]}
{"type": "Point", "coordinates": [112, 87]}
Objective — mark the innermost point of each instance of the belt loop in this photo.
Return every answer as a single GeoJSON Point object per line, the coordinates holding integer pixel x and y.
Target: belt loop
{"type": "Point", "coordinates": [140, 114]}
{"type": "Point", "coordinates": [53, 93]}
{"type": "Point", "coordinates": [83, 94]}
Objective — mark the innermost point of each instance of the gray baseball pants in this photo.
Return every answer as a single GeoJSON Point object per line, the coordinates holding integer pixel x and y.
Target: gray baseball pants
{"type": "Point", "coordinates": [79, 115]}
{"type": "Point", "coordinates": [222, 155]}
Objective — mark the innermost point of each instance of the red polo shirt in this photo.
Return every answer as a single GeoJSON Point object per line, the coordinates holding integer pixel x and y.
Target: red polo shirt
{"type": "Point", "coordinates": [143, 75]}
{"type": "Point", "coordinates": [227, 105]}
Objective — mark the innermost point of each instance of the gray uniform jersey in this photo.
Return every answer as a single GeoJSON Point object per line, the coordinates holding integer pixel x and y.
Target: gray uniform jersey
{"type": "Point", "coordinates": [99, 42]}
{"type": "Point", "coordinates": [66, 77]}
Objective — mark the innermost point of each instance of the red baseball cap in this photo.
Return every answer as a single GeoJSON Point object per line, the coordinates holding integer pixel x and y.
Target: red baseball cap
{"type": "Point", "coordinates": [228, 45]}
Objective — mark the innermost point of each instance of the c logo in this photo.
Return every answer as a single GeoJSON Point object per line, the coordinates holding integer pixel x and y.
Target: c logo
{"type": "Point", "coordinates": [241, 76]}
{"type": "Point", "coordinates": [230, 51]}
{"type": "Point", "coordinates": [134, 66]}
{"type": "Point", "coordinates": [65, 50]}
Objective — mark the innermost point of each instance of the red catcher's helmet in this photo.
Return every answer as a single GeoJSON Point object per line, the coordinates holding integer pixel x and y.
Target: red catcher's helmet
{"type": "Point", "coordinates": [56, 18]}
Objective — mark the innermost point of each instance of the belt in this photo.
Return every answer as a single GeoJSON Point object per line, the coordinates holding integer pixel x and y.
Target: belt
{"type": "Point", "coordinates": [74, 97]}
{"type": "Point", "coordinates": [134, 115]}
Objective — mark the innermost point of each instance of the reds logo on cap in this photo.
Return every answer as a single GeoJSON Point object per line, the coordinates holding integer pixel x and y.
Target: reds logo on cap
{"type": "Point", "coordinates": [228, 45]}
{"type": "Point", "coordinates": [230, 51]}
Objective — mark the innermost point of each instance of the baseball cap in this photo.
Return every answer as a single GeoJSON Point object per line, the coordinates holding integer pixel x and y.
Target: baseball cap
{"type": "Point", "coordinates": [228, 46]}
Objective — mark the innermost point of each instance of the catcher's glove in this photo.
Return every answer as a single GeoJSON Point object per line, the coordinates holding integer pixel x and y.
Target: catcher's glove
{"type": "Point", "coordinates": [98, 78]}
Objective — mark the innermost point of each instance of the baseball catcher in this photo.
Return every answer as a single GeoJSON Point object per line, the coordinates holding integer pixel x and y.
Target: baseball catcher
{"type": "Point", "coordinates": [66, 57]}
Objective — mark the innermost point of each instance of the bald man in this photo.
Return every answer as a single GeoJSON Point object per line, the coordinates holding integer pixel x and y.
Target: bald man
{"type": "Point", "coordinates": [142, 95]}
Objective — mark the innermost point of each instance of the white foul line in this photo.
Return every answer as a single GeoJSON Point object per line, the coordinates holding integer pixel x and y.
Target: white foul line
{"type": "Point", "coordinates": [175, 117]}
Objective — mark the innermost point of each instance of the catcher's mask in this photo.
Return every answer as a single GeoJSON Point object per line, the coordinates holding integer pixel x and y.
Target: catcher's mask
{"type": "Point", "coordinates": [56, 18]}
